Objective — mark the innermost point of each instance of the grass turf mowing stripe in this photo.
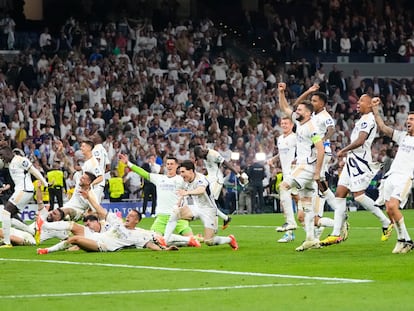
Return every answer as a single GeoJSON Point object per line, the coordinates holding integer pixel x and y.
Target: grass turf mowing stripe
{"type": "Point", "coordinates": [258, 274]}
{"type": "Point", "coordinates": [162, 290]}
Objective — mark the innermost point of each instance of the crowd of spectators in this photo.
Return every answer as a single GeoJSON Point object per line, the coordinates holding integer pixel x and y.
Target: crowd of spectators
{"type": "Point", "coordinates": [163, 92]}
{"type": "Point", "coordinates": [341, 27]}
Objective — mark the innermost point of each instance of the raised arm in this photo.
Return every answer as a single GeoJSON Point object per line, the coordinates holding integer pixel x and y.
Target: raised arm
{"type": "Point", "coordinates": [283, 103]}
{"type": "Point", "coordinates": [305, 94]}
{"type": "Point", "coordinates": [36, 173]}
{"type": "Point", "coordinates": [388, 131]}
{"type": "Point", "coordinates": [135, 168]}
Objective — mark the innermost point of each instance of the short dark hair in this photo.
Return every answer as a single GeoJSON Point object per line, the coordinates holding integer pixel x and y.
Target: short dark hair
{"type": "Point", "coordinates": [198, 151]}
{"type": "Point", "coordinates": [61, 213]}
{"type": "Point", "coordinates": [188, 165]}
{"type": "Point", "coordinates": [322, 96]}
{"type": "Point", "coordinates": [91, 176]}
{"type": "Point", "coordinates": [138, 214]}
{"type": "Point", "coordinates": [90, 217]}
{"type": "Point", "coordinates": [171, 157]}
{"type": "Point", "coordinates": [89, 142]}
{"type": "Point", "coordinates": [101, 135]}
{"type": "Point", "coordinates": [308, 105]}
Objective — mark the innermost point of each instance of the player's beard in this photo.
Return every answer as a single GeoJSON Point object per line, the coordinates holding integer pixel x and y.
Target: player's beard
{"type": "Point", "coordinates": [299, 118]}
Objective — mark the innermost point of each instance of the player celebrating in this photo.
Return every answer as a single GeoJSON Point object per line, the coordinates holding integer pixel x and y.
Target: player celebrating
{"type": "Point", "coordinates": [19, 168]}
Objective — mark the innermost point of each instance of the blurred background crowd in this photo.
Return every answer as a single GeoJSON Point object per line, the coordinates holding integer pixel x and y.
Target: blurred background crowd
{"type": "Point", "coordinates": [157, 83]}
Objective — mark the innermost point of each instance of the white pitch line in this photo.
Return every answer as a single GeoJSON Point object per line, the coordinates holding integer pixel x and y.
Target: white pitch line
{"type": "Point", "coordinates": [163, 290]}
{"type": "Point", "coordinates": [258, 274]}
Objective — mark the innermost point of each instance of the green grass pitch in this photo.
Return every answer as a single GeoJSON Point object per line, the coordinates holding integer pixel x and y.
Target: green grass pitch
{"type": "Point", "coordinates": [359, 274]}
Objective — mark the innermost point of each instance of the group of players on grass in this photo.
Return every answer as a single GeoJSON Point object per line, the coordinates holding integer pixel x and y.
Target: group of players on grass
{"type": "Point", "coordinates": [185, 195]}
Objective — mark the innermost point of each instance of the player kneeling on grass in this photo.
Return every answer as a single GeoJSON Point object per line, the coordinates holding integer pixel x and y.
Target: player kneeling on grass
{"type": "Point", "coordinates": [195, 202]}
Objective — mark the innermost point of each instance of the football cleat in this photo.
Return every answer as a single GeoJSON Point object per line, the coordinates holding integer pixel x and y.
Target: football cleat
{"type": "Point", "coordinates": [226, 223]}
{"type": "Point", "coordinates": [386, 232]}
{"type": "Point", "coordinates": [39, 224]}
{"type": "Point", "coordinates": [398, 247]}
{"type": "Point", "coordinates": [408, 246]}
{"type": "Point", "coordinates": [160, 241]}
{"type": "Point", "coordinates": [233, 243]}
{"type": "Point", "coordinates": [330, 240]}
{"type": "Point", "coordinates": [42, 251]}
{"type": "Point", "coordinates": [6, 246]}
{"type": "Point", "coordinates": [308, 245]}
{"type": "Point", "coordinates": [287, 237]}
{"type": "Point", "coordinates": [193, 242]}
{"type": "Point", "coordinates": [286, 227]}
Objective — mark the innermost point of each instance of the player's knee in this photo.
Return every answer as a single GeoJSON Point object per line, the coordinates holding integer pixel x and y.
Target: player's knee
{"type": "Point", "coordinates": [175, 214]}
{"type": "Point", "coordinates": [73, 239]}
{"type": "Point", "coordinates": [359, 198]}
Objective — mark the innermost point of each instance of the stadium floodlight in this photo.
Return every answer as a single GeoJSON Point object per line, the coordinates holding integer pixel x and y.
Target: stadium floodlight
{"type": "Point", "coordinates": [260, 156]}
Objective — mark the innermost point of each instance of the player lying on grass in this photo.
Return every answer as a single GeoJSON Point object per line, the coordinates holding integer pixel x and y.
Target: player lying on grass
{"type": "Point", "coordinates": [118, 234]}
{"type": "Point", "coordinates": [18, 237]}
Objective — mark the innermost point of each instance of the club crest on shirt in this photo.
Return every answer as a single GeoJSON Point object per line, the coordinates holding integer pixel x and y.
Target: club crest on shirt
{"type": "Point", "coordinates": [25, 163]}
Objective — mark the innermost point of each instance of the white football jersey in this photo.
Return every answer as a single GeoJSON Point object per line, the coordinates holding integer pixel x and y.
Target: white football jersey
{"type": "Point", "coordinates": [322, 121]}
{"type": "Point", "coordinates": [202, 200]}
{"type": "Point", "coordinates": [19, 172]}
{"type": "Point", "coordinates": [92, 166]}
{"type": "Point", "coordinates": [212, 163]}
{"type": "Point", "coordinates": [306, 134]}
{"type": "Point", "coordinates": [287, 152]}
{"type": "Point", "coordinates": [403, 162]}
{"type": "Point", "coordinates": [365, 124]}
{"type": "Point", "coordinates": [100, 153]}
